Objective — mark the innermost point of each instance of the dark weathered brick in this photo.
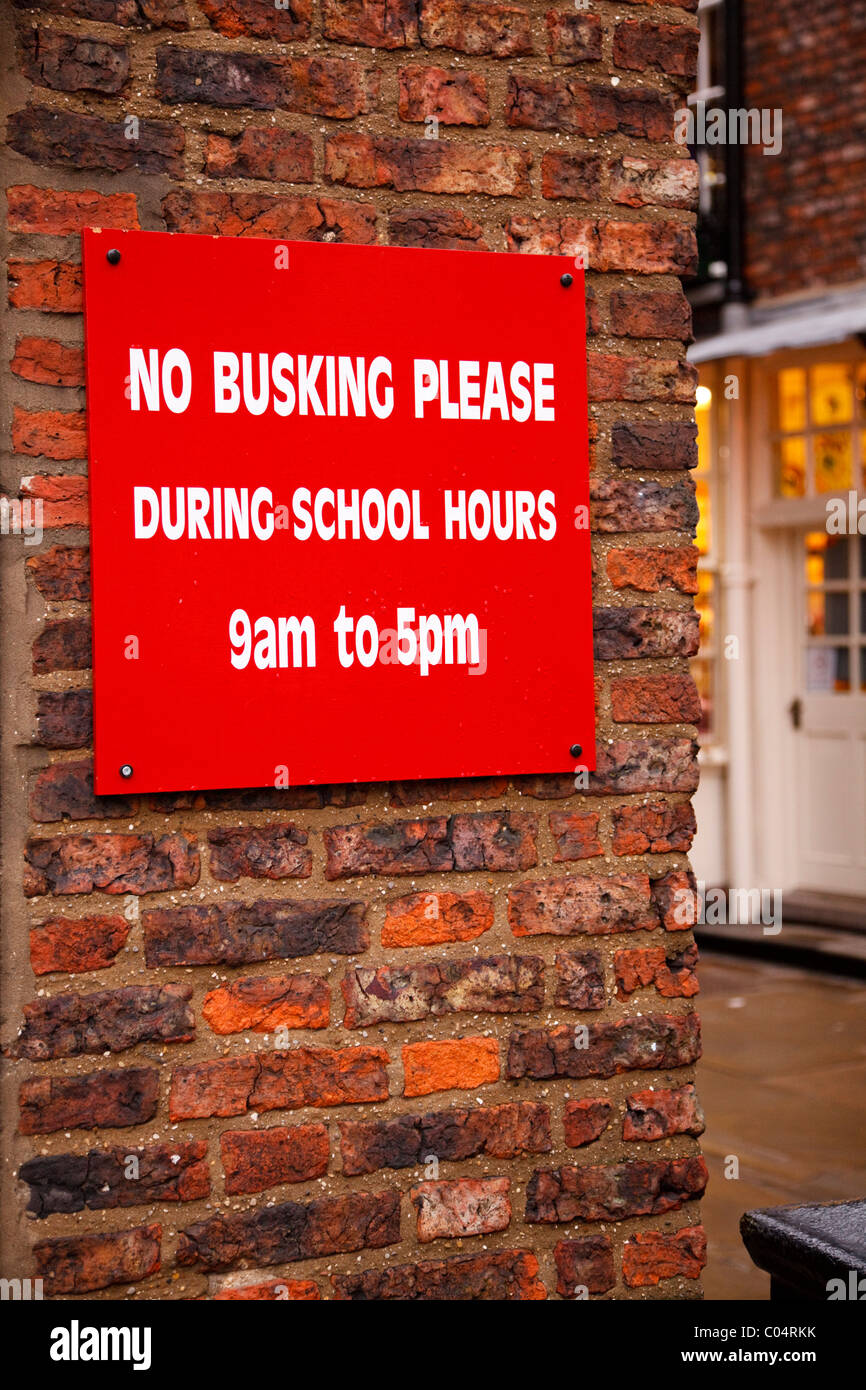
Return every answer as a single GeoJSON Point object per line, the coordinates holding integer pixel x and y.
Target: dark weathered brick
{"type": "Point", "coordinates": [294, 1231]}
{"type": "Point", "coordinates": [585, 1262]}
{"type": "Point", "coordinates": [82, 1264]}
{"type": "Point", "coordinates": [581, 903]}
{"type": "Point", "coordinates": [120, 1177]}
{"type": "Point", "coordinates": [647, 1042]}
{"type": "Point", "coordinates": [497, 1131]}
{"type": "Point", "coordinates": [506, 1275]}
{"type": "Point", "coordinates": [97, 1100]}
{"type": "Point", "coordinates": [110, 863]}
{"type": "Point", "coordinates": [614, 1192]}
{"type": "Point", "coordinates": [108, 1021]}
{"type": "Point", "coordinates": [241, 933]}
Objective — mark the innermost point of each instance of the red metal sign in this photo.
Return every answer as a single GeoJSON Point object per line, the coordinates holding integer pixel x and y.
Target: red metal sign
{"type": "Point", "coordinates": [339, 512]}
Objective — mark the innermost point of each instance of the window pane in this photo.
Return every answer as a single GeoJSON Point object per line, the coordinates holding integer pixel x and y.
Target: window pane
{"type": "Point", "coordinates": [827, 670]}
{"type": "Point", "coordinates": [832, 399]}
{"type": "Point", "coordinates": [791, 404]}
{"type": "Point", "coordinates": [816, 544]}
{"type": "Point", "coordinates": [860, 391]}
{"type": "Point", "coordinates": [836, 558]}
{"type": "Point", "coordinates": [791, 468]}
{"type": "Point", "coordinates": [863, 557]}
{"type": "Point", "coordinates": [833, 461]}
{"type": "Point", "coordinates": [863, 668]}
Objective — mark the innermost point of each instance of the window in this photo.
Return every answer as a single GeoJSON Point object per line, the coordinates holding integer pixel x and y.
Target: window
{"type": "Point", "coordinates": [710, 92]}
{"type": "Point", "coordinates": [835, 614]}
{"type": "Point", "coordinates": [819, 436]}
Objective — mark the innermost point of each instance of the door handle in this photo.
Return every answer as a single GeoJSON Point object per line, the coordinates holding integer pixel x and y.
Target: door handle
{"type": "Point", "coordinates": [795, 710]}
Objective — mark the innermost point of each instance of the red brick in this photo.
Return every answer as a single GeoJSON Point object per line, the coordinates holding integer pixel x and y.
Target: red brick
{"type": "Point", "coordinates": [268, 215]}
{"type": "Point", "coordinates": [283, 156]}
{"type": "Point", "coordinates": [584, 1263]}
{"type": "Point", "coordinates": [260, 1005]}
{"type": "Point", "coordinates": [463, 1207]}
{"type": "Point", "coordinates": [97, 1100]}
{"type": "Point", "coordinates": [431, 166]}
{"type": "Point", "coordinates": [62, 645]}
{"type": "Point", "coordinates": [139, 14]}
{"type": "Point", "coordinates": [70, 139]}
{"type": "Point", "coordinates": [651, 570]}
{"type": "Point", "coordinates": [450, 1064]}
{"type": "Point", "coordinates": [675, 896]}
{"type": "Point", "coordinates": [579, 980]}
{"type": "Point", "coordinates": [63, 718]}
{"type": "Point", "coordinates": [585, 903]}
{"type": "Point", "coordinates": [428, 919]}
{"type": "Point", "coordinates": [271, 851]}
{"type": "Point", "coordinates": [49, 362]}
{"type": "Point", "coordinates": [670, 698]}
{"type": "Point", "coordinates": [503, 1276]}
{"type": "Point", "coordinates": [626, 766]}
{"type": "Point", "coordinates": [616, 377]}
{"type": "Point", "coordinates": [653, 314]}
{"type": "Point", "coordinates": [613, 1192]}
{"type": "Point", "coordinates": [440, 228]}
{"type": "Point", "coordinates": [644, 247]}
{"type": "Point", "coordinates": [53, 212]}
{"type": "Point", "coordinates": [63, 497]}
{"type": "Point", "coordinates": [491, 840]}
{"type": "Point", "coordinates": [62, 573]}
{"type": "Point", "coordinates": [642, 967]}
{"type": "Point", "coordinates": [76, 944]}
{"type": "Point", "coordinates": [294, 1231]}
{"type": "Point", "coordinates": [452, 97]}
{"type": "Point", "coordinates": [317, 1076]}
{"type": "Point", "coordinates": [254, 1160]}
{"type": "Point", "coordinates": [260, 19]}
{"type": "Point", "coordinates": [279, 1290]}
{"type": "Point", "coordinates": [109, 1021]}
{"type": "Point", "coordinates": [82, 1264]}
{"type": "Point", "coordinates": [73, 62]}
{"type": "Point", "coordinates": [654, 444]}
{"type": "Point", "coordinates": [638, 181]}
{"type": "Point", "coordinates": [626, 634]}
{"type": "Point", "coordinates": [573, 38]}
{"type": "Point", "coordinates": [570, 106]}
{"type": "Point", "coordinates": [647, 1042]}
{"type": "Point", "coordinates": [650, 1256]}
{"type": "Point", "coordinates": [51, 286]}
{"type": "Point", "coordinates": [585, 1121]}
{"type": "Point", "coordinates": [373, 23]}
{"type": "Point", "coordinates": [654, 828]}
{"type": "Point", "coordinates": [110, 863]}
{"type": "Point", "coordinates": [576, 176]}
{"type": "Point", "coordinates": [53, 434]}
{"type": "Point", "coordinates": [669, 48]}
{"type": "Point", "coordinates": [404, 994]}
{"type": "Point", "coordinates": [624, 504]}
{"type": "Point", "coordinates": [576, 835]}
{"type": "Point", "coordinates": [660, 1114]}
{"type": "Point", "coordinates": [66, 790]}
{"type": "Point", "coordinates": [502, 31]}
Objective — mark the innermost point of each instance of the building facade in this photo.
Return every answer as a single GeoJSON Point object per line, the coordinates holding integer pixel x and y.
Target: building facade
{"type": "Point", "coordinates": [780, 324]}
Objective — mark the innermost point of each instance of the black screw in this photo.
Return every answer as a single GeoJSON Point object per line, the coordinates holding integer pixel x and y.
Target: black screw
{"type": "Point", "coordinates": [112, 256]}
{"type": "Point", "coordinates": [126, 770]}
{"type": "Point", "coordinates": [566, 281]}
{"type": "Point", "coordinates": [575, 750]}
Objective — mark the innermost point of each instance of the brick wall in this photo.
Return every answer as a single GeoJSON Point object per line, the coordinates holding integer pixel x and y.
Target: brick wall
{"type": "Point", "coordinates": [405, 1041]}
{"type": "Point", "coordinates": [806, 207]}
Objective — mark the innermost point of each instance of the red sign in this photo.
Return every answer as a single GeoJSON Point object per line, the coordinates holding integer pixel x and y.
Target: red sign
{"type": "Point", "coordinates": [339, 512]}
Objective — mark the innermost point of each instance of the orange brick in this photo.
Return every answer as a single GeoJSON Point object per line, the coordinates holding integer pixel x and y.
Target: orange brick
{"type": "Point", "coordinates": [457, 1064]}
{"type": "Point", "coordinates": [427, 919]}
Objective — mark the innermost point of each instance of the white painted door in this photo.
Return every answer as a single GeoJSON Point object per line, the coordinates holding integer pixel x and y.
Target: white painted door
{"type": "Point", "coordinates": [829, 714]}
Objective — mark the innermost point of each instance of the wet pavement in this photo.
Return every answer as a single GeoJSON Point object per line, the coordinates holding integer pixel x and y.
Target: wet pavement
{"type": "Point", "coordinates": [782, 1083]}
